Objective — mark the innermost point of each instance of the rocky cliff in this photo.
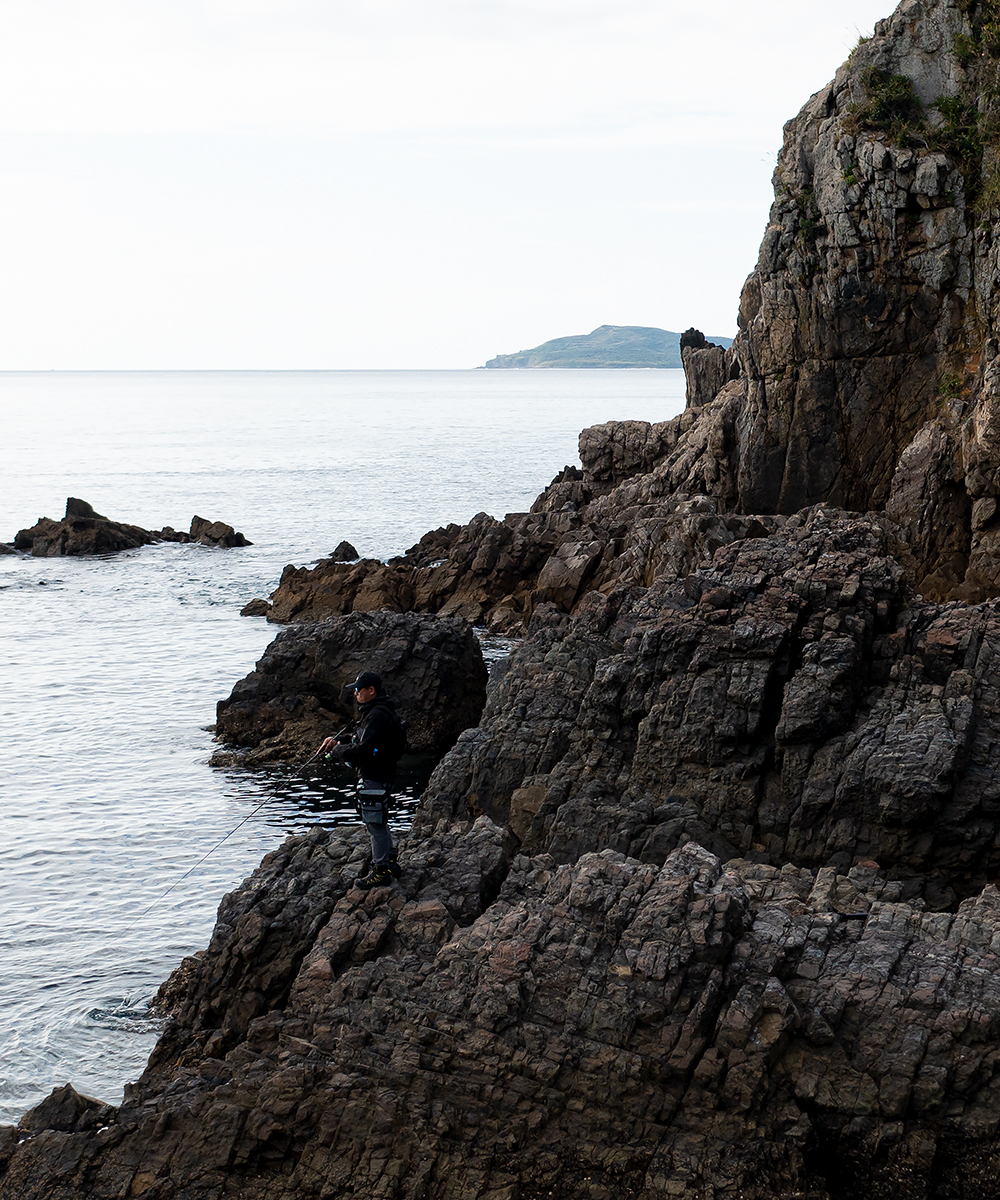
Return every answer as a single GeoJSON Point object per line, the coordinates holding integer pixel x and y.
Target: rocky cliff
{"type": "Point", "coordinates": [866, 373]}
{"type": "Point", "coordinates": [705, 905]}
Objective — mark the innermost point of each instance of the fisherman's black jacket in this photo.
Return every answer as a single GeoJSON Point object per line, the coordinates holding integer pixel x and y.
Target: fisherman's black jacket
{"type": "Point", "coordinates": [375, 750]}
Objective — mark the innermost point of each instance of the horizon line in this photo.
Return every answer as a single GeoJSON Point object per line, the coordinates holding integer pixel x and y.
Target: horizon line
{"type": "Point", "coordinates": [292, 370]}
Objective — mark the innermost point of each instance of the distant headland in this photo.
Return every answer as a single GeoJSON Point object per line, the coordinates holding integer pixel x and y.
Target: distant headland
{"type": "Point", "coordinates": [606, 346]}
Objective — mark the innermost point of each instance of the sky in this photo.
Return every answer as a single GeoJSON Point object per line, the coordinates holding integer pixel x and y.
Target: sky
{"type": "Point", "coordinates": [311, 184]}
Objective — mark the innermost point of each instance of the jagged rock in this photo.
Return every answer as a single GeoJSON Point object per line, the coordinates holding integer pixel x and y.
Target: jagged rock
{"type": "Point", "coordinates": [83, 531]}
{"type": "Point", "coordinates": [207, 533]}
{"type": "Point", "coordinates": [215, 533]}
{"type": "Point", "coordinates": [344, 552]}
{"type": "Point", "coordinates": [604, 1028]}
{"type": "Point", "coordinates": [7, 549]}
{"type": "Point", "coordinates": [433, 547]}
{"type": "Point", "coordinates": [707, 367]}
{"type": "Point", "coordinates": [169, 534]}
{"type": "Point", "coordinates": [431, 666]}
{"type": "Point", "coordinates": [80, 508]}
{"type": "Point", "coordinates": [620, 450]}
{"type": "Point", "coordinates": [256, 608]}
{"type": "Point", "coordinates": [498, 572]}
{"type": "Point", "coordinates": [795, 700]}
{"type": "Point", "coordinates": [65, 1110]}
{"type": "Point", "coordinates": [705, 906]}
{"type": "Point", "coordinates": [867, 367]}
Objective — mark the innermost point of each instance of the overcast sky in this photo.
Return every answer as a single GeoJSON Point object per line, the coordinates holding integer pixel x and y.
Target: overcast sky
{"type": "Point", "coordinates": [386, 183]}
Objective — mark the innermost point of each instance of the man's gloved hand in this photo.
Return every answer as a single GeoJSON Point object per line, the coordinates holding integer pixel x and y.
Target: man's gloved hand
{"type": "Point", "coordinates": [332, 748]}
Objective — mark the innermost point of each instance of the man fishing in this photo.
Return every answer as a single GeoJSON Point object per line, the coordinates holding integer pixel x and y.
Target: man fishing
{"type": "Point", "coordinates": [379, 740]}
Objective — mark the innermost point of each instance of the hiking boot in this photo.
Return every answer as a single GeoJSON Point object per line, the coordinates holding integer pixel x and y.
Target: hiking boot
{"type": "Point", "coordinates": [392, 862]}
{"type": "Point", "coordinates": [378, 876]}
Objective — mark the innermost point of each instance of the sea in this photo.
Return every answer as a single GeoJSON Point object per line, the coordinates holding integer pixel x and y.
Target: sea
{"type": "Point", "coordinates": [119, 840]}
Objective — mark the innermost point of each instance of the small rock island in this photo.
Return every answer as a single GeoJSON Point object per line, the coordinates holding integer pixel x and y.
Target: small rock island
{"type": "Point", "coordinates": [84, 531]}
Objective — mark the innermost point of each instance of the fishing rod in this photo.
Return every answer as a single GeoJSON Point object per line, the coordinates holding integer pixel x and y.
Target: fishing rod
{"type": "Point", "coordinates": [338, 734]}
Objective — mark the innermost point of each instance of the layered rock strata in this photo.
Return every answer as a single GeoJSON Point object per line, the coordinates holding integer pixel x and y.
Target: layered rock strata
{"type": "Point", "coordinates": [795, 702]}
{"type": "Point", "coordinates": [498, 572]}
{"type": "Point", "coordinates": [500, 1027]}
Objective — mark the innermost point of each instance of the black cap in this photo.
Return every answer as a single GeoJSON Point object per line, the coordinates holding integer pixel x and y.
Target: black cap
{"type": "Point", "coordinates": [366, 679]}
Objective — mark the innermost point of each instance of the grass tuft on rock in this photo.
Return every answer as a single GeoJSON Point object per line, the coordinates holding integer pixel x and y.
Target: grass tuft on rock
{"type": "Point", "coordinates": [890, 105]}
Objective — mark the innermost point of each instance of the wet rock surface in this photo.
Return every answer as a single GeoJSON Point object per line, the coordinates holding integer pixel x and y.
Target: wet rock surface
{"type": "Point", "coordinates": [344, 552]}
{"type": "Point", "coordinates": [431, 666]}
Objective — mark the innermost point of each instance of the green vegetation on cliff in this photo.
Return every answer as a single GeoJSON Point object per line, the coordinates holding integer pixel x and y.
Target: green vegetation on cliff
{"type": "Point", "coordinates": [606, 346]}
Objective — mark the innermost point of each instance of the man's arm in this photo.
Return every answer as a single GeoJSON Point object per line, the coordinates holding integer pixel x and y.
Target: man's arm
{"type": "Point", "coordinates": [375, 742]}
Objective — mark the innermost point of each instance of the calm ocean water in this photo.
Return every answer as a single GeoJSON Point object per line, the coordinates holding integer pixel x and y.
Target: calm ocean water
{"type": "Point", "coordinates": [111, 667]}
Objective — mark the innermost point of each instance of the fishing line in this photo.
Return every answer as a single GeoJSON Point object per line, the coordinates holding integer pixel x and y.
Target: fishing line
{"type": "Point", "coordinates": [198, 863]}
{"type": "Point", "coordinates": [225, 839]}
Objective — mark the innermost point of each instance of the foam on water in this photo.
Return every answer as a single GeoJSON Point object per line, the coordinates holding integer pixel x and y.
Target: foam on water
{"type": "Point", "coordinates": [112, 667]}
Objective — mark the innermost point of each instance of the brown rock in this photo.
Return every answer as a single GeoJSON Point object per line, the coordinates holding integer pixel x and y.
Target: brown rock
{"type": "Point", "coordinates": [524, 805]}
{"type": "Point", "coordinates": [602, 1028]}
{"type": "Point", "coordinates": [81, 531]}
{"type": "Point", "coordinates": [215, 533]}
